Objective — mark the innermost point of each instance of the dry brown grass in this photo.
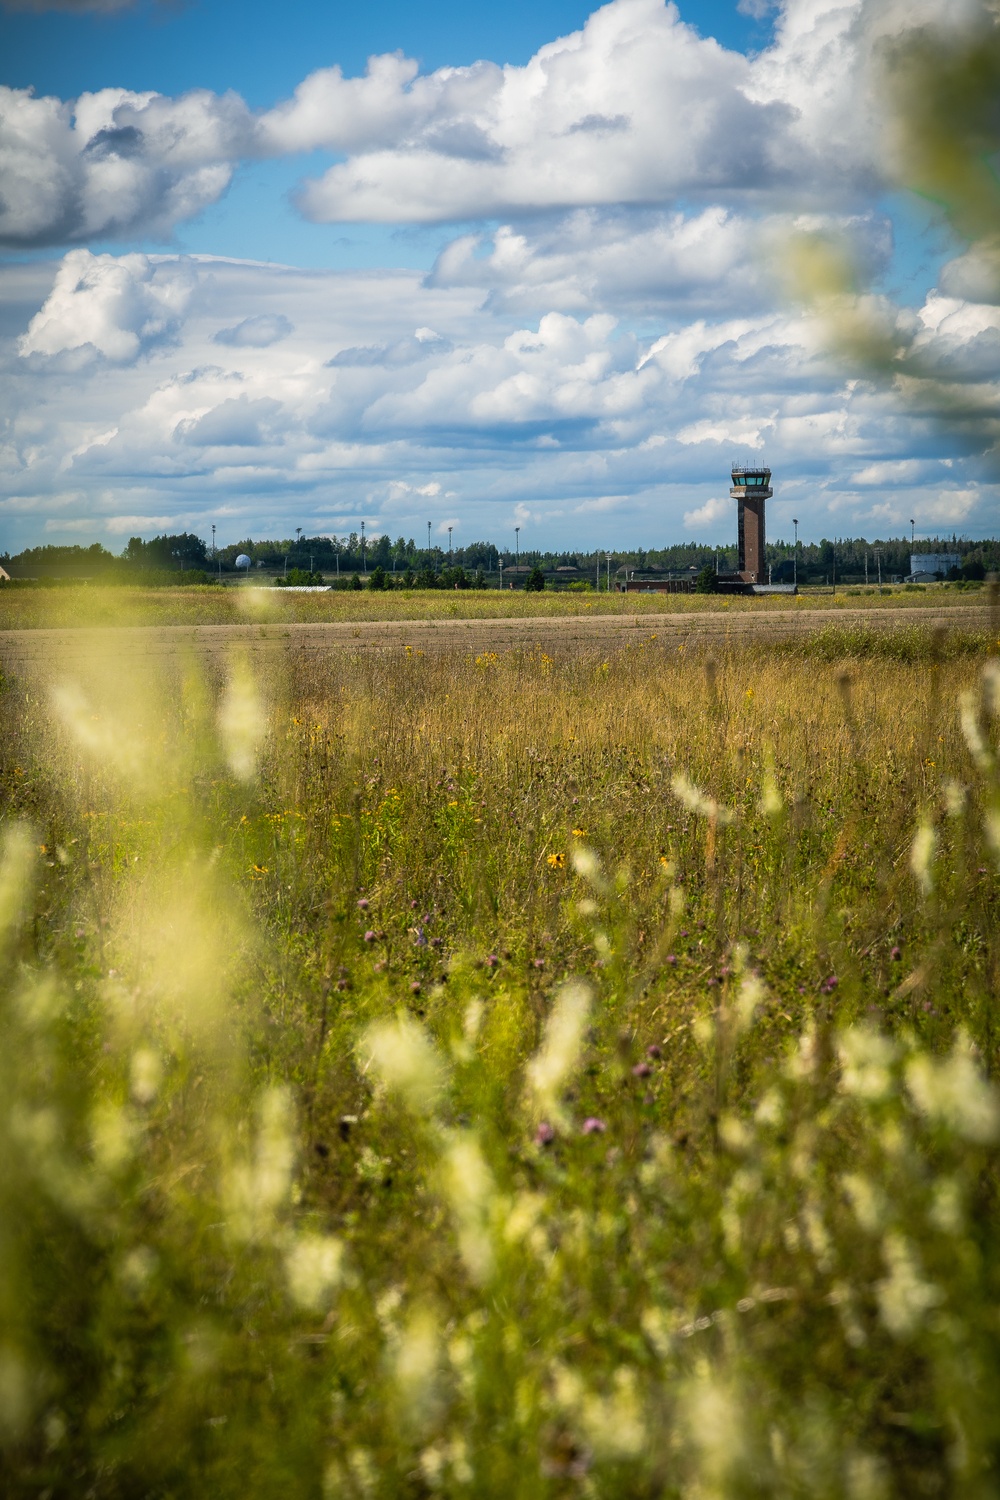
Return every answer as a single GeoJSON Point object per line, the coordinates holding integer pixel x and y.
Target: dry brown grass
{"type": "Point", "coordinates": [34, 608]}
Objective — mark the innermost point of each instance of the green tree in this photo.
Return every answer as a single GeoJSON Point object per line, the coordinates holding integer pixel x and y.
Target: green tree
{"type": "Point", "coordinates": [536, 580]}
{"type": "Point", "coordinates": [705, 581]}
{"type": "Point", "coordinates": [300, 578]}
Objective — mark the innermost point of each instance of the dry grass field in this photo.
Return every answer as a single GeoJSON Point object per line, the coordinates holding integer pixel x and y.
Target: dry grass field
{"type": "Point", "coordinates": [517, 1073]}
{"type": "Point", "coordinates": [110, 623]}
{"type": "Point", "coordinates": [94, 605]}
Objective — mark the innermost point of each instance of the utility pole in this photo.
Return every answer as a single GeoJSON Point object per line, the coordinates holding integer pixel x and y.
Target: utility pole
{"type": "Point", "coordinates": [878, 558]}
{"type": "Point", "coordinates": [517, 550]}
{"type": "Point", "coordinates": [449, 547]}
{"type": "Point", "coordinates": [428, 543]}
{"type": "Point", "coordinates": [500, 561]}
{"type": "Point", "coordinates": [795, 553]}
{"type": "Point", "coordinates": [364, 571]}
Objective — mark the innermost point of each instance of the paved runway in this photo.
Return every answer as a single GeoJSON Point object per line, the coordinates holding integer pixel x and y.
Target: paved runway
{"type": "Point", "coordinates": [27, 649]}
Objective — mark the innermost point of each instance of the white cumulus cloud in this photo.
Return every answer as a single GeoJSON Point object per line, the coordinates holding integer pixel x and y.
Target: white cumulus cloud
{"type": "Point", "coordinates": [706, 517]}
{"type": "Point", "coordinates": [115, 307]}
{"type": "Point", "coordinates": [636, 108]}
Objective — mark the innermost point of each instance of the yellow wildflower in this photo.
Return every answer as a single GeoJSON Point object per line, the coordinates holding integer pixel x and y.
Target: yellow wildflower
{"type": "Point", "coordinates": [557, 861]}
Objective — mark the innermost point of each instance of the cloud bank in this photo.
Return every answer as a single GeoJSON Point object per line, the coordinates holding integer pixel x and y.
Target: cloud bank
{"type": "Point", "coordinates": [636, 108]}
{"type": "Point", "coordinates": [121, 400]}
{"type": "Point", "coordinates": [585, 360]}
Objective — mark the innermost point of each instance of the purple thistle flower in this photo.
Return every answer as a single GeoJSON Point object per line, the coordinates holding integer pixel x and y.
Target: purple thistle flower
{"type": "Point", "coordinates": [539, 963]}
{"type": "Point", "coordinates": [672, 958]}
{"type": "Point", "coordinates": [415, 987]}
{"type": "Point", "coordinates": [491, 960]}
{"type": "Point", "coordinates": [641, 1070]}
{"type": "Point", "coordinates": [544, 1135]}
{"type": "Point", "coordinates": [654, 1050]}
{"type": "Point", "coordinates": [363, 904]}
{"type": "Point", "coordinates": [593, 1126]}
{"type": "Point", "coordinates": [369, 936]}
{"type": "Point", "coordinates": [896, 954]}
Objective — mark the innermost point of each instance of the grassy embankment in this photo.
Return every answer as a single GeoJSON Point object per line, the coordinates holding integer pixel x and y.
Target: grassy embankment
{"type": "Point", "coordinates": [503, 1077]}
{"type": "Point", "coordinates": [36, 608]}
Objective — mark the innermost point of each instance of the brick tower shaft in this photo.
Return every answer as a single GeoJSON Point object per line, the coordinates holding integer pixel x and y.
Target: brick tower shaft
{"type": "Point", "coordinates": [751, 487]}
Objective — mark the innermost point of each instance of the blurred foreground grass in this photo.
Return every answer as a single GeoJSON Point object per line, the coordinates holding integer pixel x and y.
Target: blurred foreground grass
{"type": "Point", "coordinates": [503, 1076]}
{"type": "Point", "coordinates": [40, 608]}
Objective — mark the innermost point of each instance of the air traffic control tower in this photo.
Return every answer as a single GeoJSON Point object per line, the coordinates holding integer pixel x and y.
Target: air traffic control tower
{"type": "Point", "coordinates": [751, 487]}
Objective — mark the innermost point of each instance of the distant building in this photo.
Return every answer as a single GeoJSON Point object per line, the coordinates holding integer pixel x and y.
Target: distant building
{"type": "Point", "coordinates": [933, 564]}
{"type": "Point", "coordinates": [751, 487]}
{"type": "Point", "coordinates": [657, 586]}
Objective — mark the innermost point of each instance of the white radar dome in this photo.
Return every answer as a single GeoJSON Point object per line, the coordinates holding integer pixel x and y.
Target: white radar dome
{"type": "Point", "coordinates": [243, 561]}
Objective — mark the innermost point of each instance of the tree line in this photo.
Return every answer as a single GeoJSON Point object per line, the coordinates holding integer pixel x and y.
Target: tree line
{"type": "Point", "coordinates": [473, 565]}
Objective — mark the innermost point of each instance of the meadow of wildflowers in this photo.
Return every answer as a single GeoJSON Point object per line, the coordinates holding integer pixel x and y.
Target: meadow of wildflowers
{"type": "Point", "coordinates": [504, 1076]}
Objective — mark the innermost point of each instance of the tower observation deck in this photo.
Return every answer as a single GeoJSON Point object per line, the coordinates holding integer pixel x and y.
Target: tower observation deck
{"type": "Point", "coordinates": [751, 487]}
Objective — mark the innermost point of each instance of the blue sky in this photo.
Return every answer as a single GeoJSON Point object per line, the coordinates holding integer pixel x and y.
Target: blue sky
{"type": "Point", "coordinates": [171, 48]}
{"type": "Point", "coordinates": [523, 268]}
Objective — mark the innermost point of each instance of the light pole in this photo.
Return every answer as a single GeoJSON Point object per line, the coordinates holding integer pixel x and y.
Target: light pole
{"type": "Point", "coordinates": [364, 571]}
{"type": "Point", "coordinates": [449, 547]}
{"type": "Point", "coordinates": [878, 559]}
{"type": "Point", "coordinates": [428, 543]}
{"type": "Point", "coordinates": [336, 548]}
{"type": "Point", "coordinates": [795, 553]}
{"type": "Point", "coordinates": [517, 550]}
{"type": "Point", "coordinates": [500, 561]}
